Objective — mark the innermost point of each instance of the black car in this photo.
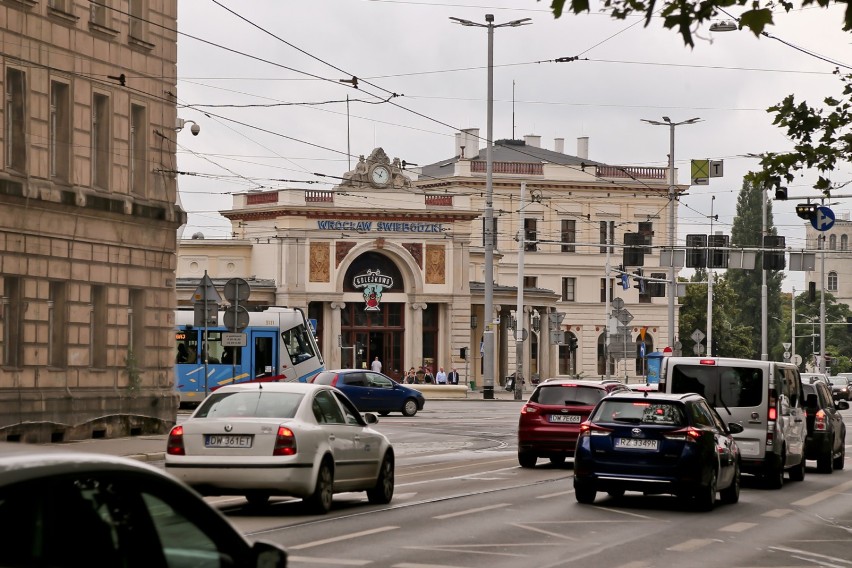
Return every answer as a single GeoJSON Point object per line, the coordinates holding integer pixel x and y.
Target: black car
{"type": "Point", "coordinates": [840, 388]}
{"type": "Point", "coordinates": [657, 443]}
{"type": "Point", "coordinates": [826, 441]}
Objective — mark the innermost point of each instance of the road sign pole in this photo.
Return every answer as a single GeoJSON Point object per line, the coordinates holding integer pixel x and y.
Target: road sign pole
{"type": "Point", "coordinates": [204, 344]}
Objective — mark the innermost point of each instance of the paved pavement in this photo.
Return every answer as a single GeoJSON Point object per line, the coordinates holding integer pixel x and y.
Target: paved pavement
{"type": "Point", "coordinates": [153, 447]}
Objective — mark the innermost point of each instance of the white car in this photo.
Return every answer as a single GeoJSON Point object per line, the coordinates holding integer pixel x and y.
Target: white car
{"type": "Point", "coordinates": [285, 439]}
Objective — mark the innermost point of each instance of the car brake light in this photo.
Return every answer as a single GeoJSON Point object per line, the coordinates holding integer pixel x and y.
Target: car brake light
{"type": "Point", "coordinates": [285, 442]}
{"type": "Point", "coordinates": [589, 429]}
{"type": "Point", "coordinates": [771, 417]}
{"type": "Point", "coordinates": [707, 362]}
{"type": "Point", "coordinates": [819, 421]}
{"type": "Point", "coordinates": [174, 447]}
{"type": "Point", "coordinates": [529, 409]}
{"type": "Point", "coordinates": [688, 434]}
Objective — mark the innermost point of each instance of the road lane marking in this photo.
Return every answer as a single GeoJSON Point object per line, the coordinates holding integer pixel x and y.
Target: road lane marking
{"type": "Point", "coordinates": [559, 494]}
{"type": "Point", "coordinates": [776, 513]}
{"type": "Point", "coordinates": [327, 561]}
{"type": "Point", "coordinates": [471, 511]}
{"type": "Point", "coordinates": [542, 531]}
{"type": "Point", "coordinates": [823, 495]}
{"type": "Point", "coordinates": [692, 544]}
{"type": "Point", "coordinates": [810, 556]}
{"type": "Point", "coordinates": [341, 537]}
{"type": "Point", "coordinates": [738, 527]}
{"type": "Point", "coordinates": [636, 564]}
{"type": "Point", "coordinates": [626, 513]}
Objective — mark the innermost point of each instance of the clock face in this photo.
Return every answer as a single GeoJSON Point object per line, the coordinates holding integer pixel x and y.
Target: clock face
{"type": "Point", "coordinates": [380, 175]}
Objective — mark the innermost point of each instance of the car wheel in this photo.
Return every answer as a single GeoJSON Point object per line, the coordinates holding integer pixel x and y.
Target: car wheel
{"type": "Point", "coordinates": [584, 494]}
{"type": "Point", "coordinates": [382, 493]}
{"type": "Point", "coordinates": [839, 460]}
{"type": "Point", "coordinates": [798, 472]}
{"type": "Point", "coordinates": [705, 497]}
{"type": "Point", "coordinates": [731, 494]}
{"type": "Point", "coordinates": [527, 459]}
{"type": "Point", "coordinates": [409, 407]}
{"type": "Point", "coordinates": [320, 500]}
{"type": "Point", "coordinates": [825, 462]}
{"type": "Point", "coordinates": [557, 460]}
{"type": "Point", "coordinates": [257, 499]}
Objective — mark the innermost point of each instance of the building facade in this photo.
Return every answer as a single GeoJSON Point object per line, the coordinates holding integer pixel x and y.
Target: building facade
{"type": "Point", "coordinates": [838, 258]}
{"type": "Point", "coordinates": [390, 262]}
{"type": "Point", "coordinates": [88, 218]}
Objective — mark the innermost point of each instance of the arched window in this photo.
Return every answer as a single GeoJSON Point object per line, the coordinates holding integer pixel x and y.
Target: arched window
{"type": "Point", "coordinates": [832, 242]}
{"type": "Point", "coordinates": [832, 281]}
{"type": "Point", "coordinates": [844, 242]}
{"type": "Point", "coordinates": [567, 357]}
{"type": "Point", "coordinates": [642, 362]}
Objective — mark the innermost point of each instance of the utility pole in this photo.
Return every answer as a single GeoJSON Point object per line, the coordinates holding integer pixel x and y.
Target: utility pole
{"type": "Point", "coordinates": [520, 319]}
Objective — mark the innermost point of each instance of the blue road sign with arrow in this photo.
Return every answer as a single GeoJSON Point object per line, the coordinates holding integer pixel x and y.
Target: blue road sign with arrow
{"type": "Point", "coordinates": [823, 220]}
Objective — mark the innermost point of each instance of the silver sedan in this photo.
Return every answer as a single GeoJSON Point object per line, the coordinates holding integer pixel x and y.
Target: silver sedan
{"type": "Point", "coordinates": [286, 439]}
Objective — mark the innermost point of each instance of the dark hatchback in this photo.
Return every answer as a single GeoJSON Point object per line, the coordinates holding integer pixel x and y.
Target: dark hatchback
{"type": "Point", "coordinates": [841, 389]}
{"type": "Point", "coordinates": [373, 392]}
{"type": "Point", "coordinates": [657, 444]}
{"type": "Point", "coordinates": [550, 420]}
{"type": "Point", "coordinates": [826, 441]}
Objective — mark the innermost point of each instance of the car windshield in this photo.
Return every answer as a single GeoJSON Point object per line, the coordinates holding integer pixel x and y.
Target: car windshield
{"type": "Point", "coordinates": [567, 395]}
{"type": "Point", "coordinates": [256, 404]}
{"type": "Point", "coordinates": [838, 381]}
{"type": "Point", "coordinates": [721, 386]}
{"type": "Point", "coordinates": [640, 412]}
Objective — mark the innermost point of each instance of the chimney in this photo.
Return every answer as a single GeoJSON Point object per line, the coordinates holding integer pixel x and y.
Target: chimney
{"type": "Point", "coordinates": [470, 141]}
{"type": "Point", "coordinates": [583, 147]}
{"type": "Point", "coordinates": [559, 145]}
{"type": "Point", "coordinates": [459, 144]}
{"type": "Point", "coordinates": [532, 140]}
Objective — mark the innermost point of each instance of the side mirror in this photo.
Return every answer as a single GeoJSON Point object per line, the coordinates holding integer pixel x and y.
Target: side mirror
{"type": "Point", "coordinates": [268, 555]}
{"type": "Point", "coordinates": [735, 428]}
{"type": "Point", "coordinates": [842, 405]}
{"type": "Point", "coordinates": [371, 418]}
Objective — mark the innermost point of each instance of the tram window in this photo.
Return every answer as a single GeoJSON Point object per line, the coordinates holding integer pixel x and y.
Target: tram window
{"type": "Point", "coordinates": [232, 356]}
{"type": "Point", "coordinates": [298, 344]}
{"type": "Point", "coordinates": [186, 346]}
{"type": "Point", "coordinates": [214, 347]}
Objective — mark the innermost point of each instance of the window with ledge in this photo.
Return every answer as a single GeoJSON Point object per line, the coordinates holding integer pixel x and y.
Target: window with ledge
{"type": "Point", "coordinates": [16, 149]}
{"type": "Point", "coordinates": [832, 282]}
{"type": "Point", "coordinates": [61, 5]}
{"type": "Point", "coordinates": [136, 324]}
{"type": "Point", "coordinates": [100, 141]}
{"type": "Point", "coordinates": [646, 229]}
{"type": "Point", "coordinates": [569, 235]}
{"type": "Point", "coordinates": [58, 322]}
{"type": "Point", "coordinates": [98, 322]}
{"type": "Point", "coordinates": [844, 242]}
{"type": "Point", "coordinates": [530, 281]}
{"type": "Point", "coordinates": [603, 288]}
{"type": "Point", "coordinates": [607, 234]}
{"type": "Point", "coordinates": [568, 289]}
{"type": "Point", "coordinates": [11, 304]}
{"type": "Point", "coordinates": [60, 130]}
{"type": "Point", "coordinates": [99, 13]}
{"type": "Point", "coordinates": [832, 242]}
{"type": "Point", "coordinates": [137, 11]}
{"type": "Point", "coordinates": [530, 235]}
{"type": "Point", "coordinates": [138, 149]}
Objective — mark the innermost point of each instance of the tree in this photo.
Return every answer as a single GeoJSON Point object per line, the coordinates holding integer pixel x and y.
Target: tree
{"type": "Point", "coordinates": [748, 284]}
{"type": "Point", "coordinates": [837, 337]}
{"type": "Point", "coordinates": [822, 136]}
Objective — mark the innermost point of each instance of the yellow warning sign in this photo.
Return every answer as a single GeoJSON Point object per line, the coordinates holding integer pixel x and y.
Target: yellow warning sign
{"type": "Point", "coordinates": [700, 172]}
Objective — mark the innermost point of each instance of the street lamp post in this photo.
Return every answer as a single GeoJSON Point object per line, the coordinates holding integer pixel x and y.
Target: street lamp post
{"type": "Point", "coordinates": [488, 213]}
{"type": "Point", "coordinates": [672, 289]}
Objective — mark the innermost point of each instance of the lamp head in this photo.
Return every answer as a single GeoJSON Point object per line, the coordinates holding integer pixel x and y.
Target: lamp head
{"type": "Point", "coordinates": [489, 18]}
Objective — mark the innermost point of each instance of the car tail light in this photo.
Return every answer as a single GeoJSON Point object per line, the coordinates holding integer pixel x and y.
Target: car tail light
{"type": "Point", "coordinates": [819, 421]}
{"type": "Point", "coordinates": [688, 434]}
{"type": "Point", "coordinates": [707, 362]}
{"type": "Point", "coordinates": [285, 442]}
{"type": "Point", "coordinates": [771, 417]}
{"type": "Point", "coordinates": [174, 447]}
{"type": "Point", "coordinates": [589, 429]}
{"type": "Point", "coordinates": [529, 409]}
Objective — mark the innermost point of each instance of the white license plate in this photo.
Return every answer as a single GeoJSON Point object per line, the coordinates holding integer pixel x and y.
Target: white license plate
{"type": "Point", "coordinates": [569, 418]}
{"type": "Point", "coordinates": [217, 441]}
{"type": "Point", "coordinates": [636, 443]}
{"type": "Point", "coordinates": [748, 447]}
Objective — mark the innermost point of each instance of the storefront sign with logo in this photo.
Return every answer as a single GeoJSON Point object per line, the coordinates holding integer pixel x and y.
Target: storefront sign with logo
{"type": "Point", "coordinates": [373, 283]}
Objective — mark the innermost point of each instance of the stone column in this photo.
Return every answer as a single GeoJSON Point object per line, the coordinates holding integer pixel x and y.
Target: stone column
{"type": "Point", "coordinates": [334, 358]}
{"type": "Point", "coordinates": [414, 335]}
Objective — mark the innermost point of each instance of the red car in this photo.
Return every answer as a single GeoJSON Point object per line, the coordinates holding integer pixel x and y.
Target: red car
{"type": "Point", "coordinates": [550, 420]}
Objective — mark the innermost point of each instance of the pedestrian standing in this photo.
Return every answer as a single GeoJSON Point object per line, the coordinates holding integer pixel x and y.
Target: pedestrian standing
{"type": "Point", "coordinates": [441, 376]}
{"type": "Point", "coordinates": [428, 378]}
{"type": "Point", "coordinates": [410, 377]}
{"type": "Point", "coordinates": [453, 377]}
{"type": "Point", "coordinates": [376, 365]}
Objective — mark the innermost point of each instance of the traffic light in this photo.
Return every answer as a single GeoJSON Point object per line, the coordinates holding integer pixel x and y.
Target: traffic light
{"type": "Point", "coordinates": [571, 341]}
{"type": "Point", "coordinates": [640, 281]}
{"type": "Point", "coordinates": [781, 193]}
{"type": "Point", "coordinates": [806, 210]}
{"type": "Point", "coordinates": [696, 251]}
{"type": "Point", "coordinates": [717, 254]}
{"type": "Point", "coordinates": [625, 282]}
{"type": "Point", "coordinates": [657, 289]}
{"type": "Point", "coordinates": [849, 324]}
{"type": "Point", "coordinates": [634, 252]}
{"type": "Point", "coordinates": [773, 260]}
{"type": "Point", "coordinates": [811, 291]}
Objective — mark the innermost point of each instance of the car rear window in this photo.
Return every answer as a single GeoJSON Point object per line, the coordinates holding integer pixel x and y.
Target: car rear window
{"type": "Point", "coordinates": [568, 395]}
{"type": "Point", "coordinates": [257, 404]}
{"type": "Point", "coordinates": [640, 412]}
{"type": "Point", "coordinates": [722, 386]}
{"type": "Point", "coordinates": [324, 378]}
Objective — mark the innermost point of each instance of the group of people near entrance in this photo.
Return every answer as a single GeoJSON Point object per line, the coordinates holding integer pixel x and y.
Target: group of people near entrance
{"type": "Point", "coordinates": [424, 376]}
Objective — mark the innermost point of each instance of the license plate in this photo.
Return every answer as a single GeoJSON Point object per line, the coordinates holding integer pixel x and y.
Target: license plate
{"type": "Point", "coordinates": [748, 447]}
{"type": "Point", "coordinates": [636, 443]}
{"type": "Point", "coordinates": [569, 418]}
{"type": "Point", "coordinates": [218, 441]}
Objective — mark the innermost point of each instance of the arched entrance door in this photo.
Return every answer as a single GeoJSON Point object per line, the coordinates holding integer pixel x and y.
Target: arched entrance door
{"type": "Point", "coordinates": [375, 328]}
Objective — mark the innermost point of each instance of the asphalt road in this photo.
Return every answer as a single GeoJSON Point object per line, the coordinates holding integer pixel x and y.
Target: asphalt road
{"type": "Point", "coordinates": [462, 501]}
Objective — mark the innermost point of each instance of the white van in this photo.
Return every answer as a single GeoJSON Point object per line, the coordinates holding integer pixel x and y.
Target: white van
{"type": "Point", "coordinates": [765, 397]}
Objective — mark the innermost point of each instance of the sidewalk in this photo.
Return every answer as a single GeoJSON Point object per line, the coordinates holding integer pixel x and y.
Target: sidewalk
{"type": "Point", "coordinates": [153, 447]}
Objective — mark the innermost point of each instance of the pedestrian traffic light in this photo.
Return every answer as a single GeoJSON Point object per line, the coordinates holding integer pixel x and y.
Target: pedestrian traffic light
{"type": "Point", "coordinates": [640, 281]}
{"type": "Point", "coordinates": [806, 210]}
{"type": "Point", "coordinates": [773, 260]}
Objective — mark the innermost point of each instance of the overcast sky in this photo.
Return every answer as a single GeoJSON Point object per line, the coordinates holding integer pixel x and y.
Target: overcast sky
{"type": "Point", "coordinates": [289, 119]}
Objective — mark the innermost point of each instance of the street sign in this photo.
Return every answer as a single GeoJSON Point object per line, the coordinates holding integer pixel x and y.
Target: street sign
{"type": "Point", "coordinates": [797, 359]}
{"type": "Point", "coordinates": [206, 291]}
{"type": "Point", "coordinates": [786, 355]}
{"type": "Point", "coordinates": [557, 337]}
{"type": "Point", "coordinates": [700, 172]}
{"type": "Point", "coordinates": [823, 220]}
{"type": "Point", "coordinates": [624, 317]}
{"type": "Point", "coordinates": [236, 318]}
{"type": "Point", "coordinates": [698, 336]}
{"type": "Point", "coordinates": [802, 261]}
{"type": "Point", "coordinates": [717, 168]}
{"type": "Point", "coordinates": [698, 348]}
{"type": "Point", "coordinates": [237, 290]}
{"type": "Point", "coordinates": [233, 340]}
{"type": "Point", "coordinates": [313, 325]}
{"type": "Point", "coordinates": [787, 346]}
{"type": "Point", "coordinates": [617, 303]}
{"type": "Point", "coordinates": [642, 349]}
{"type": "Point", "coordinates": [206, 314]}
